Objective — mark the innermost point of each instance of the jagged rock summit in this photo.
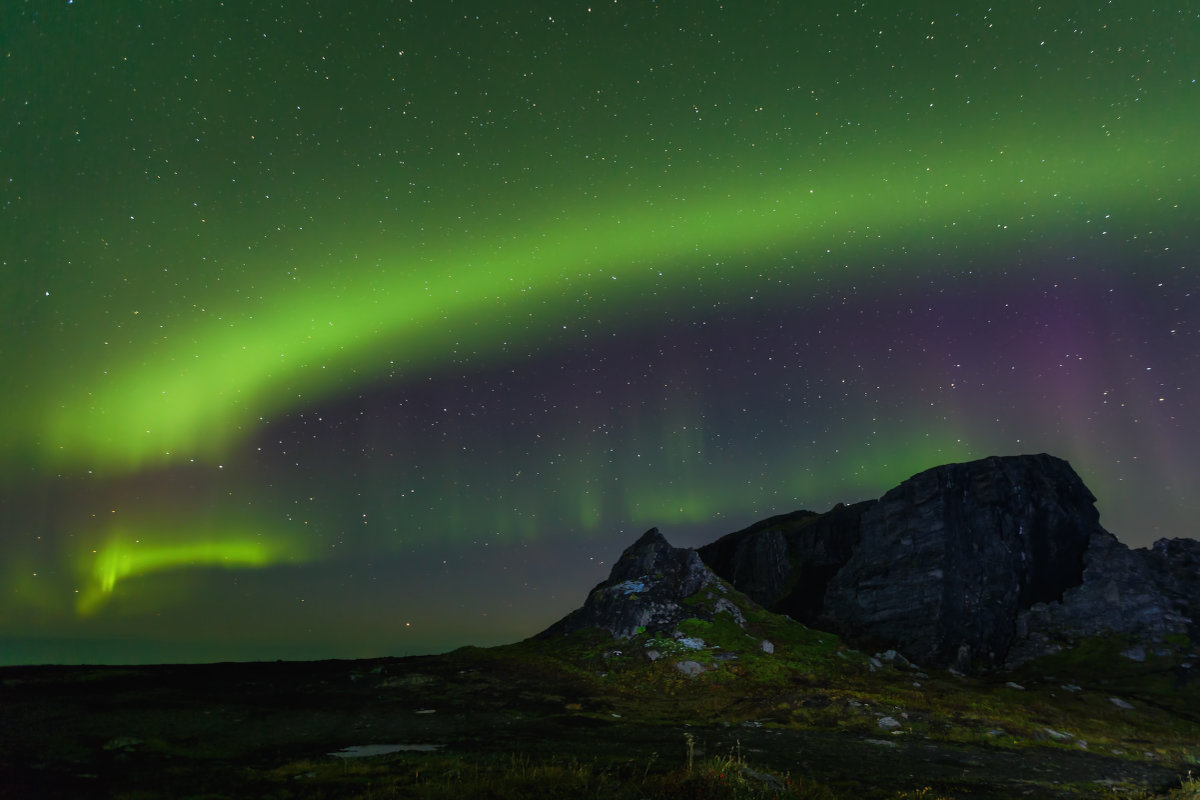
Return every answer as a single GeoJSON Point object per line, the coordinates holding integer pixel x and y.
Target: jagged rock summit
{"type": "Point", "coordinates": [645, 592]}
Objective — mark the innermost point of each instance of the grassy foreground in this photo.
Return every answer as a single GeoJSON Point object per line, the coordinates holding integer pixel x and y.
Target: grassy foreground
{"type": "Point", "coordinates": [757, 707]}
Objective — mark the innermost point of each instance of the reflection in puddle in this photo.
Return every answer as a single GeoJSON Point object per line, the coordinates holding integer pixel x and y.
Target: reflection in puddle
{"type": "Point", "coordinates": [365, 750]}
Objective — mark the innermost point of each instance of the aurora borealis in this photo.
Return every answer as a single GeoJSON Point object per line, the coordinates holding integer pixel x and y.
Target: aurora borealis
{"type": "Point", "coordinates": [339, 330]}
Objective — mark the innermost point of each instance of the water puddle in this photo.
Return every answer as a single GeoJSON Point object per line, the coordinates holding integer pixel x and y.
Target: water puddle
{"type": "Point", "coordinates": [367, 750]}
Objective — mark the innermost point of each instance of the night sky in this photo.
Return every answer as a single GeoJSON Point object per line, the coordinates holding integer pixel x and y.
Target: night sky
{"type": "Point", "coordinates": [339, 329]}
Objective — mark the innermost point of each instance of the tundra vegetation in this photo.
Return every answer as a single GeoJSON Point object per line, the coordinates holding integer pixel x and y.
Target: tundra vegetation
{"type": "Point", "coordinates": [764, 708]}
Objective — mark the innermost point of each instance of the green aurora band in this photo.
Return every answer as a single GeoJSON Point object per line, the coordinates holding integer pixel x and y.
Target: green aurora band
{"type": "Point", "coordinates": [197, 391]}
{"type": "Point", "coordinates": [125, 554]}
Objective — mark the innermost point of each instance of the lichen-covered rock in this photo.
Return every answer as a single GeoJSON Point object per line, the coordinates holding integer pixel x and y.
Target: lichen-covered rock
{"type": "Point", "coordinates": [645, 592]}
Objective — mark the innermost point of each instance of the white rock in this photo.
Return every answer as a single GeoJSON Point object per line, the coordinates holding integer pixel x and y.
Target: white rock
{"type": "Point", "coordinates": [1135, 653]}
{"type": "Point", "coordinates": [892, 657]}
{"type": "Point", "coordinates": [727, 606]}
{"type": "Point", "coordinates": [1119, 703]}
{"type": "Point", "coordinates": [889, 723]}
{"type": "Point", "coordinates": [767, 647]}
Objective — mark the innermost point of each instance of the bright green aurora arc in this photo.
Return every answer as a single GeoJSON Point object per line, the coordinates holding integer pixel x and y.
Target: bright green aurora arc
{"type": "Point", "coordinates": [341, 331]}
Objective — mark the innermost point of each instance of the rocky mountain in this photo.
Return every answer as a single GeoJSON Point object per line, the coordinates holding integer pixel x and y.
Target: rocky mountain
{"type": "Point", "coordinates": [646, 592]}
{"type": "Point", "coordinates": [986, 563]}
{"type": "Point", "coordinates": [977, 565]}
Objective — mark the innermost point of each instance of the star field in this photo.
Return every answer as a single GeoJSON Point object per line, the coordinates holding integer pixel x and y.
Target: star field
{"type": "Point", "coordinates": [339, 331]}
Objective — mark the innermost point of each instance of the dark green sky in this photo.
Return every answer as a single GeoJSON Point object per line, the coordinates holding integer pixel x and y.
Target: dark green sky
{"type": "Point", "coordinates": [341, 330]}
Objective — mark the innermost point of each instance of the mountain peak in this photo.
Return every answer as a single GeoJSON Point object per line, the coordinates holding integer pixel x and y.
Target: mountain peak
{"type": "Point", "coordinates": [644, 592]}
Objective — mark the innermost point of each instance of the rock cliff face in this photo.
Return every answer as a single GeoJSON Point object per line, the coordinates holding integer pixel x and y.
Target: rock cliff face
{"type": "Point", "coordinates": [785, 563]}
{"type": "Point", "coordinates": [646, 589]}
{"type": "Point", "coordinates": [986, 563]}
{"type": "Point", "coordinates": [948, 558]}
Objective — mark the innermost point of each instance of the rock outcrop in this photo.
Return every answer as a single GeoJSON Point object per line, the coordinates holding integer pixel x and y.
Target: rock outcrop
{"type": "Point", "coordinates": [947, 559]}
{"type": "Point", "coordinates": [985, 563]}
{"type": "Point", "coordinates": [644, 592]}
{"type": "Point", "coordinates": [1147, 596]}
{"type": "Point", "coordinates": [1177, 562]}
